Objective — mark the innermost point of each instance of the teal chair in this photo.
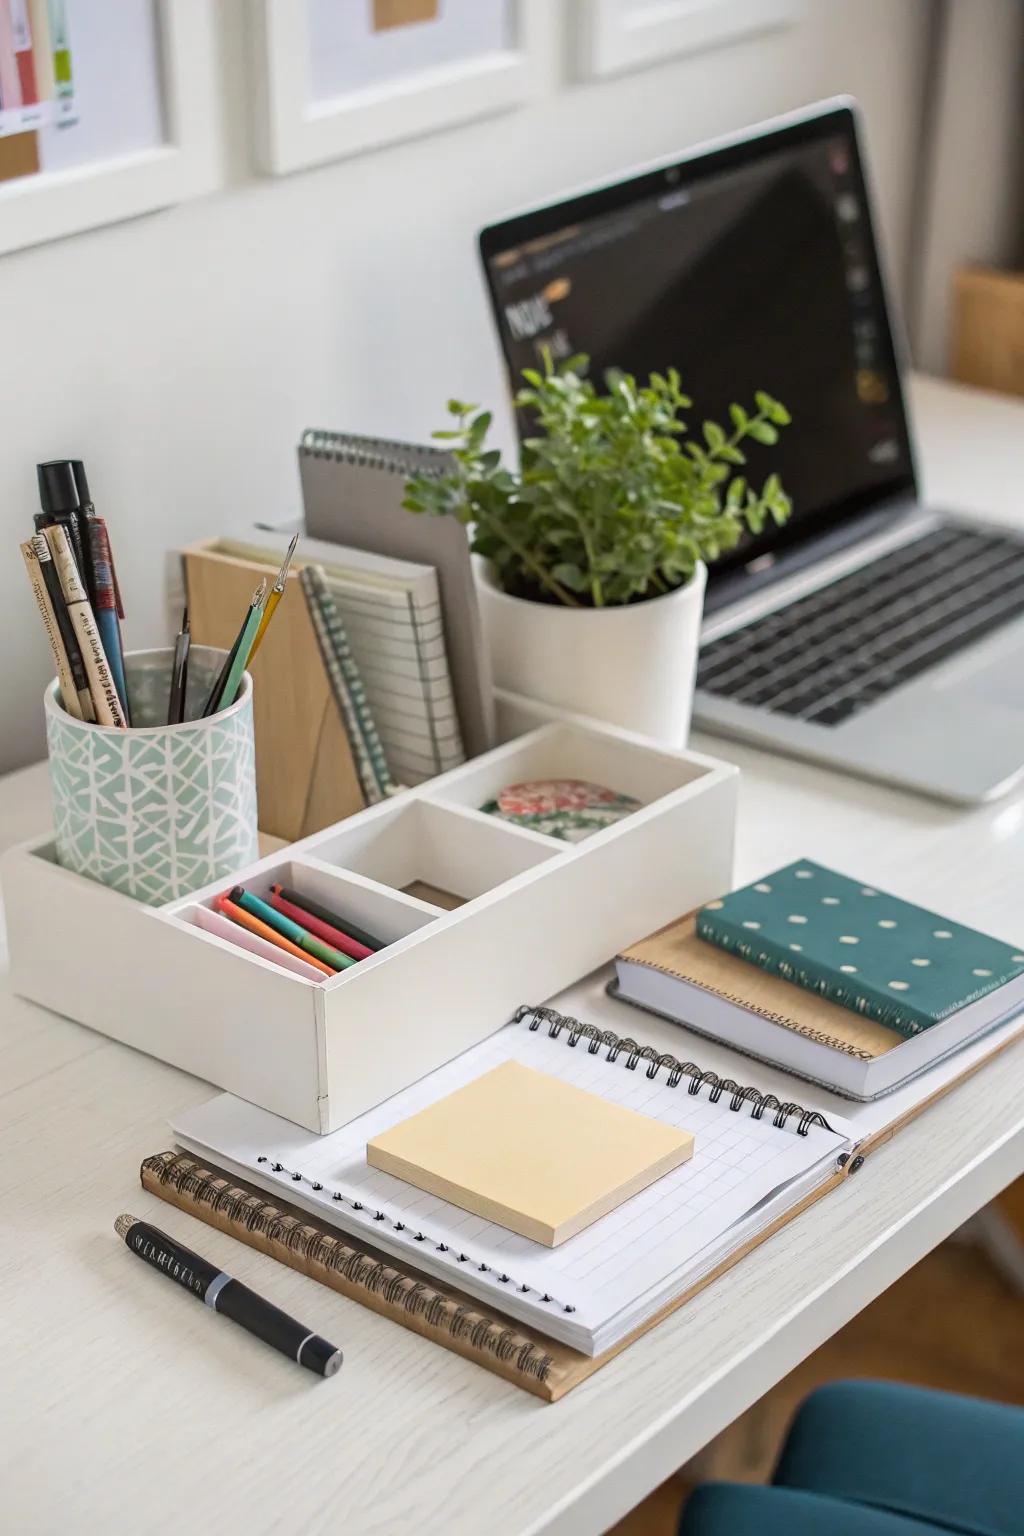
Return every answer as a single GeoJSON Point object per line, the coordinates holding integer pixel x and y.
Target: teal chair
{"type": "Point", "coordinates": [874, 1458]}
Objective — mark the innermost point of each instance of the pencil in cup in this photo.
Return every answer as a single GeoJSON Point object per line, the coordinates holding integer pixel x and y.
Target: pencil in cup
{"type": "Point", "coordinates": [54, 592]}
{"type": "Point", "coordinates": [307, 942]}
{"type": "Point", "coordinates": [276, 593]}
{"type": "Point", "coordinates": [97, 669]}
{"type": "Point", "coordinates": [68, 691]}
{"type": "Point", "coordinates": [245, 919]}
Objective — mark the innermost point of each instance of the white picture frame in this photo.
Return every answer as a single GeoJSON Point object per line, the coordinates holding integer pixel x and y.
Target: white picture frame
{"type": "Point", "coordinates": [615, 36]}
{"type": "Point", "coordinates": [50, 204]}
{"type": "Point", "coordinates": [295, 131]}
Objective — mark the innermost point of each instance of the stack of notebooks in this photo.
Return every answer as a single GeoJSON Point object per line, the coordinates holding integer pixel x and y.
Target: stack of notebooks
{"type": "Point", "coordinates": [548, 1196]}
{"type": "Point", "coordinates": [353, 690]}
{"type": "Point", "coordinates": [834, 980]}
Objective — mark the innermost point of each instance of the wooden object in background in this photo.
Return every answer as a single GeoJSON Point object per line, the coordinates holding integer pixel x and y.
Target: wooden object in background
{"type": "Point", "coordinates": [402, 13]}
{"type": "Point", "coordinates": [988, 329]}
{"type": "Point", "coordinates": [305, 774]}
{"type": "Point", "coordinates": [19, 156]}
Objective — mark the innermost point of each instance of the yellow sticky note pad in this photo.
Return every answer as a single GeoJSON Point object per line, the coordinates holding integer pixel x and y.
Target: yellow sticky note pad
{"type": "Point", "coordinates": [530, 1152]}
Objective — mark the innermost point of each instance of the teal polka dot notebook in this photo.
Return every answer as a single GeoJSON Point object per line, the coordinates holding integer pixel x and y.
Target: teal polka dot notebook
{"type": "Point", "coordinates": [859, 947]}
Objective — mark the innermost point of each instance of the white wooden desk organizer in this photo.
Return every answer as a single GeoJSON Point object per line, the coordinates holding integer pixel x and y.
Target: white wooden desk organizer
{"type": "Point", "coordinates": [538, 914]}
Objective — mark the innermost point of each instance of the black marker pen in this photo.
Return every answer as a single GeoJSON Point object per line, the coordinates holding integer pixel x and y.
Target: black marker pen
{"type": "Point", "coordinates": [223, 1294]}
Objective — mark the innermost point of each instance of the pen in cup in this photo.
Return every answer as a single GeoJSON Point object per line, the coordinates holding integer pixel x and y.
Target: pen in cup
{"type": "Point", "coordinates": [179, 674]}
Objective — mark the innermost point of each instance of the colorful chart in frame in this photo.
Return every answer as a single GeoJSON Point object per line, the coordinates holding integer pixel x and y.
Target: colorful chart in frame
{"type": "Point", "coordinates": [37, 83]}
{"type": "Point", "coordinates": [80, 81]}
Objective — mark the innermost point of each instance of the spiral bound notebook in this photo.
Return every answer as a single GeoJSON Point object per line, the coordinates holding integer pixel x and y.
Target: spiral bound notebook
{"type": "Point", "coordinates": [756, 1158]}
{"type": "Point", "coordinates": [436, 1311]}
{"type": "Point", "coordinates": [391, 613]}
{"type": "Point", "coordinates": [352, 492]}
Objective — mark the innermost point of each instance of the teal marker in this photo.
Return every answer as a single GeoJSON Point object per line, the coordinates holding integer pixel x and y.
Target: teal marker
{"type": "Point", "coordinates": [284, 925]}
{"type": "Point", "coordinates": [241, 656]}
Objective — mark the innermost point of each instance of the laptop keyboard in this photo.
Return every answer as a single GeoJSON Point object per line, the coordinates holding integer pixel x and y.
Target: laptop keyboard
{"type": "Point", "coordinates": [850, 643]}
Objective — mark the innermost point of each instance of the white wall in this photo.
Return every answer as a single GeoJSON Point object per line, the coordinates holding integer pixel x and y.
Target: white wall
{"type": "Point", "coordinates": [181, 354]}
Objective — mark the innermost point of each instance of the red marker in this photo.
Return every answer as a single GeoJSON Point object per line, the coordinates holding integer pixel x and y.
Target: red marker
{"type": "Point", "coordinates": [318, 927]}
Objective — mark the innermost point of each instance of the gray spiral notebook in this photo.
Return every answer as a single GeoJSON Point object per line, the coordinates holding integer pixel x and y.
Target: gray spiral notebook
{"type": "Point", "coordinates": [352, 491]}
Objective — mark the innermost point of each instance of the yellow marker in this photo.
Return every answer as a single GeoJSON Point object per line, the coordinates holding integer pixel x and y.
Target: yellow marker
{"type": "Point", "coordinates": [276, 593]}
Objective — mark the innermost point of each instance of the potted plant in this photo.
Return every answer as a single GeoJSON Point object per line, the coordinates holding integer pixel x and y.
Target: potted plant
{"type": "Point", "coordinates": [591, 558]}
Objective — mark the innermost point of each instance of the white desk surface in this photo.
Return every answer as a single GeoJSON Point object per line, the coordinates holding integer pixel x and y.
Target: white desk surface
{"type": "Point", "coordinates": [125, 1402]}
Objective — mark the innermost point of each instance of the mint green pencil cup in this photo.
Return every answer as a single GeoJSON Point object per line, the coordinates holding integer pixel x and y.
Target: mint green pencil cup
{"type": "Point", "coordinates": [156, 811]}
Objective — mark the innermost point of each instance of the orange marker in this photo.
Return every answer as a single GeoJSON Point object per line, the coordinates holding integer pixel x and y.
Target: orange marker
{"type": "Point", "coordinates": [245, 920]}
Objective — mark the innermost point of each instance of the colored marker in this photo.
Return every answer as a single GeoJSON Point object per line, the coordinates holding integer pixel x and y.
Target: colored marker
{"type": "Point", "coordinates": [306, 941]}
{"type": "Point", "coordinates": [317, 927]}
{"type": "Point", "coordinates": [246, 920]}
{"type": "Point", "coordinates": [230, 675]}
{"type": "Point", "coordinates": [327, 916]}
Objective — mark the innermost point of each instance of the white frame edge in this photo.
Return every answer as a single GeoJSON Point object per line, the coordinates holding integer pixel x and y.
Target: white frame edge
{"type": "Point", "coordinates": [293, 133]}
{"type": "Point", "coordinates": [609, 42]}
{"type": "Point", "coordinates": [50, 205]}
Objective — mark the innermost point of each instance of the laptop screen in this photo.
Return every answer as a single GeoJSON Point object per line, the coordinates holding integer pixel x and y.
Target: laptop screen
{"type": "Point", "coordinates": [749, 267]}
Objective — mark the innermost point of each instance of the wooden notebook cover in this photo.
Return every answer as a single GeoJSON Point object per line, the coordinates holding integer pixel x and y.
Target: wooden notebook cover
{"type": "Point", "coordinates": [306, 777]}
{"type": "Point", "coordinates": [449, 1317]}
{"type": "Point", "coordinates": [441, 1313]}
{"type": "Point", "coordinates": [530, 1152]}
{"type": "Point", "coordinates": [678, 951]}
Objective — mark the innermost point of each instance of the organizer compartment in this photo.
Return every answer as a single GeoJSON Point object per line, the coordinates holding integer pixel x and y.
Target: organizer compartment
{"type": "Point", "coordinates": [381, 911]}
{"type": "Point", "coordinates": [434, 846]}
{"type": "Point", "coordinates": [538, 915]}
{"type": "Point", "coordinates": [569, 751]}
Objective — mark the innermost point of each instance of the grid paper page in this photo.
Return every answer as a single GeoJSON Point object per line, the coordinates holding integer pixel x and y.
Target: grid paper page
{"type": "Point", "coordinates": [397, 641]}
{"type": "Point", "coordinates": [737, 1163]}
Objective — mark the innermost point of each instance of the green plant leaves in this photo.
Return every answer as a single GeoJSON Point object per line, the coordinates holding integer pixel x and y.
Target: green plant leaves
{"type": "Point", "coordinates": [612, 503]}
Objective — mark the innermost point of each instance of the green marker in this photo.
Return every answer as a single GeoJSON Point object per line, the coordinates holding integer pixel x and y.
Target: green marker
{"type": "Point", "coordinates": [240, 659]}
{"type": "Point", "coordinates": [284, 925]}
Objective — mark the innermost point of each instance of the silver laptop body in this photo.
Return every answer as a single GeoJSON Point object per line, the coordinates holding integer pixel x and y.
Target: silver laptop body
{"type": "Point", "coordinates": [871, 634]}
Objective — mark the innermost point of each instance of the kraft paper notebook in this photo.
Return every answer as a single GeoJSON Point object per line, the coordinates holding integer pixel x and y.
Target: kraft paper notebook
{"type": "Point", "coordinates": [760, 1159]}
{"type": "Point", "coordinates": [679, 976]}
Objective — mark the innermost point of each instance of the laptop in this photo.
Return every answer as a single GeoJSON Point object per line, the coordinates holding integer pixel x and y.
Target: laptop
{"type": "Point", "coordinates": [870, 632]}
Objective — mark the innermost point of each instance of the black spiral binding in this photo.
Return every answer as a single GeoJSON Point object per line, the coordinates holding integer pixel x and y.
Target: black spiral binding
{"type": "Point", "coordinates": [375, 453]}
{"type": "Point", "coordinates": [624, 1045]}
{"type": "Point", "coordinates": [460, 1320]}
{"type": "Point", "coordinates": [617, 1045]}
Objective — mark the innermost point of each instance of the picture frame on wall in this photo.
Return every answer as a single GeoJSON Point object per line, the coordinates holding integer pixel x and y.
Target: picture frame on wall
{"type": "Point", "coordinates": [334, 80]}
{"type": "Point", "coordinates": [112, 113]}
{"type": "Point", "coordinates": [615, 36]}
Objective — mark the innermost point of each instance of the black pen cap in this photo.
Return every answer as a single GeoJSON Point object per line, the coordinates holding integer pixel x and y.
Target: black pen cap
{"type": "Point", "coordinates": [57, 489]}
{"type": "Point", "coordinates": [81, 483]}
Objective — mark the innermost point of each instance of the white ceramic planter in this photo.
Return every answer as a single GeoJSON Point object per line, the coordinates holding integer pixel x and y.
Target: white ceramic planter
{"type": "Point", "coordinates": [632, 666]}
